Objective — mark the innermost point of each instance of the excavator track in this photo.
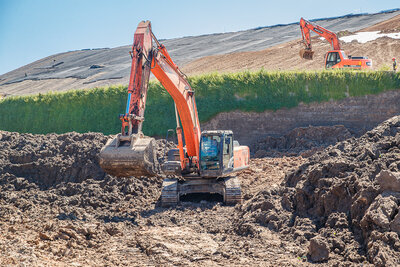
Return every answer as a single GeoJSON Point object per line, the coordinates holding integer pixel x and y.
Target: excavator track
{"type": "Point", "coordinates": [233, 191]}
{"type": "Point", "coordinates": [228, 187]}
{"type": "Point", "coordinates": [169, 193]}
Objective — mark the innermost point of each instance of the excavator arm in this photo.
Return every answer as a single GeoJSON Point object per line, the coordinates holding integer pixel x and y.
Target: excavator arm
{"type": "Point", "coordinates": [174, 81]}
{"type": "Point", "coordinates": [306, 27]}
{"type": "Point", "coordinates": [139, 79]}
{"type": "Point", "coordinates": [131, 153]}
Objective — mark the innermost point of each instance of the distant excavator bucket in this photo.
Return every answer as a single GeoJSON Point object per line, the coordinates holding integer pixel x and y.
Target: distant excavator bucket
{"type": "Point", "coordinates": [125, 156]}
{"type": "Point", "coordinates": [306, 54]}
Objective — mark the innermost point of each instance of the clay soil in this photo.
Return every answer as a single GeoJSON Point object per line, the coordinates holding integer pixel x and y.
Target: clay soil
{"type": "Point", "coordinates": [57, 208]}
{"type": "Point", "coordinates": [338, 207]}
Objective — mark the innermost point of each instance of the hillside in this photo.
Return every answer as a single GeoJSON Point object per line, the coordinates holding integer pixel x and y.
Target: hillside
{"type": "Point", "coordinates": [272, 47]}
{"type": "Point", "coordinates": [286, 56]}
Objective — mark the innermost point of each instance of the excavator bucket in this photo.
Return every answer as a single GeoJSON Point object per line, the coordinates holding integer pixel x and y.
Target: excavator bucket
{"type": "Point", "coordinates": [129, 156]}
{"type": "Point", "coordinates": [306, 54]}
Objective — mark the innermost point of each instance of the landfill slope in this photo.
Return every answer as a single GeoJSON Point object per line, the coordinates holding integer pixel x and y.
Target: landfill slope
{"type": "Point", "coordinates": [89, 68]}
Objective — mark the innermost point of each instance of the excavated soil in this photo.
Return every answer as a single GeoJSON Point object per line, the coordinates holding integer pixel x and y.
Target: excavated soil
{"type": "Point", "coordinates": [343, 203]}
{"type": "Point", "coordinates": [58, 208]}
{"type": "Point", "coordinates": [304, 141]}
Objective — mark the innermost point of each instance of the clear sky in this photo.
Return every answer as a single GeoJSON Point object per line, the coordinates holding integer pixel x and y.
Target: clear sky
{"type": "Point", "coordinates": [33, 29]}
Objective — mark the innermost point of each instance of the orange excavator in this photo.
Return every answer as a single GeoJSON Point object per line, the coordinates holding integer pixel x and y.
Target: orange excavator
{"type": "Point", "coordinates": [202, 162]}
{"type": "Point", "coordinates": [335, 59]}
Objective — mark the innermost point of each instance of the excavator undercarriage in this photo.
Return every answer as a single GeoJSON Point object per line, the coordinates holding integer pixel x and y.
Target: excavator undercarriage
{"type": "Point", "coordinates": [228, 187]}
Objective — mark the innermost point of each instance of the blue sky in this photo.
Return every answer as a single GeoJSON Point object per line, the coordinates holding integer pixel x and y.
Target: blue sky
{"type": "Point", "coordinates": [33, 29]}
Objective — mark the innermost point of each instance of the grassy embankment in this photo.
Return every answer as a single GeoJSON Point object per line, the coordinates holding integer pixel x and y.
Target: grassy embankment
{"type": "Point", "coordinates": [97, 109]}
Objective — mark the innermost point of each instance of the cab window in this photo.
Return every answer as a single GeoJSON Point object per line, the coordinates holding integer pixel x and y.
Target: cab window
{"type": "Point", "coordinates": [227, 151]}
{"type": "Point", "coordinates": [332, 59]}
{"type": "Point", "coordinates": [210, 152]}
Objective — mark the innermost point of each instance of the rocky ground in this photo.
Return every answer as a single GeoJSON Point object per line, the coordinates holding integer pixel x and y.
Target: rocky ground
{"type": "Point", "coordinates": [338, 207]}
{"type": "Point", "coordinates": [343, 203]}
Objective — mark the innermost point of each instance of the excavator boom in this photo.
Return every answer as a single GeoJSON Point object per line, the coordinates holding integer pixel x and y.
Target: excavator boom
{"type": "Point", "coordinates": [130, 153]}
{"type": "Point", "coordinates": [306, 27]}
{"type": "Point", "coordinates": [169, 75]}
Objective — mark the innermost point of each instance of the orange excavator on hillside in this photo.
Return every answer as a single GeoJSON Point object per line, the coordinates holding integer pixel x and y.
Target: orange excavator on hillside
{"type": "Point", "coordinates": [202, 161]}
{"type": "Point", "coordinates": [336, 58]}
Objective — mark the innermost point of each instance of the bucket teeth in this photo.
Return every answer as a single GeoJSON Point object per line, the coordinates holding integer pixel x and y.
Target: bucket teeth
{"type": "Point", "coordinates": [132, 157]}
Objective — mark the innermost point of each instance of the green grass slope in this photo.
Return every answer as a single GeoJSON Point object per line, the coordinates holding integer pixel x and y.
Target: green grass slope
{"type": "Point", "coordinates": [97, 109]}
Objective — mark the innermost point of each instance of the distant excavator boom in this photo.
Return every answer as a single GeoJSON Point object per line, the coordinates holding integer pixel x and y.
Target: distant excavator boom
{"type": "Point", "coordinates": [336, 58]}
{"type": "Point", "coordinates": [305, 27]}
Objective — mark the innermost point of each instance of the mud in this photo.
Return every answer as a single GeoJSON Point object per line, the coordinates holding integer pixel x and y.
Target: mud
{"type": "Point", "coordinates": [58, 208]}
{"type": "Point", "coordinates": [345, 196]}
{"type": "Point", "coordinates": [337, 207]}
{"type": "Point", "coordinates": [50, 159]}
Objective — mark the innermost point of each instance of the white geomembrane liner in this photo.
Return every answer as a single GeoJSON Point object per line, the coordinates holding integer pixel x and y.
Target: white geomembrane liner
{"type": "Point", "coordinates": [363, 37]}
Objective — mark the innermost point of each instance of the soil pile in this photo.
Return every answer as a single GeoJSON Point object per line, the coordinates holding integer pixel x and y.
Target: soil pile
{"type": "Point", "coordinates": [390, 25]}
{"type": "Point", "coordinates": [48, 160]}
{"type": "Point", "coordinates": [343, 203]}
{"type": "Point", "coordinates": [58, 208]}
{"type": "Point", "coordinates": [299, 140]}
{"type": "Point", "coordinates": [341, 206]}
{"type": "Point", "coordinates": [52, 158]}
{"type": "Point", "coordinates": [55, 200]}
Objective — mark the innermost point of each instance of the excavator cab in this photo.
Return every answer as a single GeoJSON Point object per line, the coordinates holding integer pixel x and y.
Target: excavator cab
{"type": "Point", "coordinates": [332, 58]}
{"type": "Point", "coordinates": [216, 153]}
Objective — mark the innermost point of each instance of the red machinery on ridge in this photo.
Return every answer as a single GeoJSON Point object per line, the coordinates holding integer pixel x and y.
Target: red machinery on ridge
{"type": "Point", "coordinates": [207, 159]}
{"type": "Point", "coordinates": [336, 58]}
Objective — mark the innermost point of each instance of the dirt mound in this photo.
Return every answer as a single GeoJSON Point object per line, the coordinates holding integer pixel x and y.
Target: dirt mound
{"type": "Point", "coordinates": [51, 159]}
{"type": "Point", "coordinates": [340, 207]}
{"type": "Point", "coordinates": [306, 140]}
{"type": "Point", "coordinates": [48, 160]}
{"type": "Point", "coordinates": [346, 196]}
{"type": "Point", "coordinates": [60, 209]}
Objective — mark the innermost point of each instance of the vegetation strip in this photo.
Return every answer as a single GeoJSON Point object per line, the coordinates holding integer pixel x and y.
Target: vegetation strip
{"type": "Point", "coordinates": [97, 109]}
